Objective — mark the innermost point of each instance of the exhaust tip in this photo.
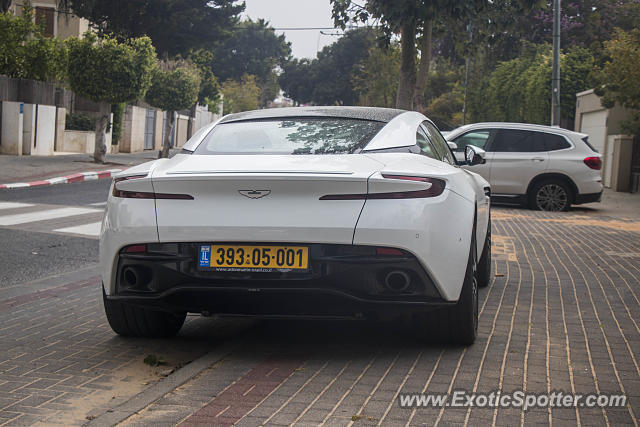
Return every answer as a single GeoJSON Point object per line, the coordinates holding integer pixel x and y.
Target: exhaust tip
{"type": "Point", "coordinates": [397, 281]}
{"type": "Point", "coordinates": [130, 276]}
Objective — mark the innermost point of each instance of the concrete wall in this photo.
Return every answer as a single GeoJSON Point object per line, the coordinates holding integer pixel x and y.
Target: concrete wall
{"type": "Point", "coordinates": [38, 130]}
{"type": "Point", "coordinates": [133, 123]}
{"type": "Point", "coordinates": [12, 128]}
{"type": "Point", "coordinates": [45, 131]}
{"type": "Point", "coordinates": [61, 121]}
{"type": "Point", "coordinates": [182, 125]}
{"type": "Point", "coordinates": [78, 141]}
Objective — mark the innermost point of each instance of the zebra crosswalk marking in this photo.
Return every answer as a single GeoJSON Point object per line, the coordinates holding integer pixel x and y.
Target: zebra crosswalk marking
{"type": "Point", "coordinates": [44, 215]}
{"type": "Point", "coordinates": [91, 229]}
{"type": "Point", "coordinates": [14, 205]}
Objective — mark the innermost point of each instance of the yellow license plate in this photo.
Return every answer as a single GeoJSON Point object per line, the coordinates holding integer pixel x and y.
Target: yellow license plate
{"type": "Point", "coordinates": [254, 257]}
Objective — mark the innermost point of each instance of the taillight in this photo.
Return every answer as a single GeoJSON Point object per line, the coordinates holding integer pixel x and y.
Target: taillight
{"type": "Point", "coordinates": [435, 188]}
{"type": "Point", "coordinates": [593, 162]}
{"type": "Point", "coordinates": [144, 194]}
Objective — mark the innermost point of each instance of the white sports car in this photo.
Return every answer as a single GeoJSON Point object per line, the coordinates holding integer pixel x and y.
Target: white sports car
{"type": "Point", "coordinates": [337, 212]}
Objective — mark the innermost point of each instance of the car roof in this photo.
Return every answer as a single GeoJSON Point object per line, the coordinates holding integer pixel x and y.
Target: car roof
{"type": "Point", "coordinates": [523, 126]}
{"type": "Point", "coordinates": [363, 113]}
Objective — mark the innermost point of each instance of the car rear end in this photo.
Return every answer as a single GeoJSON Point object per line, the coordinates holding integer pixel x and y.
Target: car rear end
{"type": "Point", "coordinates": [583, 164]}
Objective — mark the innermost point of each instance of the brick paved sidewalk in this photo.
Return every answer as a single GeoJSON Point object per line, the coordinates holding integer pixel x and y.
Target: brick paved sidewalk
{"type": "Point", "coordinates": [561, 314]}
{"type": "Point", "coordinates": [61, 364]}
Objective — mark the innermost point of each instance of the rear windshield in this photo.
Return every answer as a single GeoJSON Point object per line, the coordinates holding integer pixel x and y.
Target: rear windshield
{"type": "Point", "coordinates": [290, 136]}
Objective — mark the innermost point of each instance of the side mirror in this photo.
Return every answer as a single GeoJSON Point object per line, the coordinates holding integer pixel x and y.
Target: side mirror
{"type": "Point", "coordinates": [474, 155]}
{"type": "Point", "coordinates": [452, 145]}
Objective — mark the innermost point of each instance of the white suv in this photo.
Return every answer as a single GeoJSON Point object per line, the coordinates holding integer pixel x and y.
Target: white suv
{"type": "Point", "coordinates": [546, 167]}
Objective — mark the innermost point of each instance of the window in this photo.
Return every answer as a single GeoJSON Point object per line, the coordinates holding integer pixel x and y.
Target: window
{"type": "Point", "coordinates": [45, 19]}
{"type": "Point", "coordinates": [425, 145]}
{"type": "Point", "coordinates": [291, 135]}
{"type": "Point", "coordinates": [439, 143]}
{"type": "Point", "coordinates": [517, 141]}
{"type": "Point", "coordinates": [476, 138]}
{"type": "Point", "coordinates": [554, 142]}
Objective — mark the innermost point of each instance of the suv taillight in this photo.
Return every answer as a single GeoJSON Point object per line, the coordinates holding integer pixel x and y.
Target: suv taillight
{"type": "Point", "coordinates": [593, 162]}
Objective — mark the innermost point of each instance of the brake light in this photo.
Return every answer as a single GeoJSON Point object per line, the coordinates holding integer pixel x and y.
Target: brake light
{"type": "Point", "coordinates": [593, 162]}
{"type": "Point", "coordinates": [144, 194]}
{"type": "Point", "coordinates": [435, 188]}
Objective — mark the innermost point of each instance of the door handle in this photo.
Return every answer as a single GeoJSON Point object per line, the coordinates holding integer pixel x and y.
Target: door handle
{"type": "Point", "coordinates": [537, 159]}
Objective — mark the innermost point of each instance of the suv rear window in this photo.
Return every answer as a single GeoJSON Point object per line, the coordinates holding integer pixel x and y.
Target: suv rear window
{"type": "Point", "coordinates": [554, 142]}
{"type": "Point", "coordinates": [291, 135]}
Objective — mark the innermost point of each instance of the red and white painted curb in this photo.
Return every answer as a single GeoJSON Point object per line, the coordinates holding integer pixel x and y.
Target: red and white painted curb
{"type": "Point", "coordinates": [76, 177]}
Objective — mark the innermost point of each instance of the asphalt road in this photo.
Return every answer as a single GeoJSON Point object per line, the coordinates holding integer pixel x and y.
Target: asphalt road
{"type": "Point", "coordinates": [30, 255]}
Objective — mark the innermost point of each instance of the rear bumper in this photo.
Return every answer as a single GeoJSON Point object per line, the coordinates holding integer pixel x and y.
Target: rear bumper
{"type": "Point", "coordinates": [336, 284]}
{"type": "Point", "coordinates": [588, 198]}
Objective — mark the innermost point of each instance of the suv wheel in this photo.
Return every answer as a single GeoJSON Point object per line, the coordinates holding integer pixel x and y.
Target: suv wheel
{"type": "Point", "coordinates": [550, 195]}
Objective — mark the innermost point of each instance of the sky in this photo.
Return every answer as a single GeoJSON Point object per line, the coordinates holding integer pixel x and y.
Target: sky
{"type": "Point", "coordinates": [297, 13]}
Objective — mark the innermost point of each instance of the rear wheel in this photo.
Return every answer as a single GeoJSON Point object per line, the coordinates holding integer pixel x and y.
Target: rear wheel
{"type": "Point", "coordinates": [131, 321]}
{"type": "Point", "coordinates": [550, 195]}
{"type": "Point", "coordinates": [457, 324]}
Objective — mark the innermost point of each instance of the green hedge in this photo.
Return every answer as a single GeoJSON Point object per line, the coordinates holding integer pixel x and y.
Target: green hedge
{"type": "Point", "coordinates": [79, 121]}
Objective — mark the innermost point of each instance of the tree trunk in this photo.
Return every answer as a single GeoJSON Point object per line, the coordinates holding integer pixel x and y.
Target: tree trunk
{"type": "Point", "coordinates": [407, 83]}
{"type": "Point", "coordinates": [100, 149]}
{"type": "Point", "coordinates": [168, 130]}
{"type": "Point", "coordinates": [423, 68]}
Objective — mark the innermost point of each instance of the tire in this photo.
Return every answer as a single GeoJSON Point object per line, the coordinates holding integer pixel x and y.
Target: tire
{"type": "Point", "coordinates": [550, 195]}
{"type": "Point", "coordinates": [131, 321]}
{"type": "Point", "coordinates": [456, 324]}
{"type": "Point", "coordinates": [484, 265]}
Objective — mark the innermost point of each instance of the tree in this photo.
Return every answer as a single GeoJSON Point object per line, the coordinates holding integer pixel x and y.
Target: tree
{"type": "Point", "coordinates": [327, 80]}
{"type": "Point", "coordinates": [109, 72]}
{"type": "Point", "coordinates": [174, 26]}
{"type": "Point", "coordinates": [174, 86]}
{"type": "Point", "coordinates": [376, 81]}
{"type": "Point", "coordinates": [295, 80]}
{"type": "Point", "coordinates": [253, 48]}
{"type": "Point", "coordinates": [407, 17]}
{"type": "Point", "coordinates": [518, 90]}
{"type": "Point", "coordinates": [241, 95]}
{"type": "Point", "coordinates": [620, 77]}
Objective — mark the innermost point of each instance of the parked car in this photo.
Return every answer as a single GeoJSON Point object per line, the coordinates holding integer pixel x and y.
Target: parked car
{"type": "Point", "coordinates": [300, 212]}
{"type": "Point", "coordinates": [547, 168]}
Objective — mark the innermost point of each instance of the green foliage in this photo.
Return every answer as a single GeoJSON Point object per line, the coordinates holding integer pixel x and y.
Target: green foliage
{"type": "Point", "coordinates": [209, 87]}
{"type": "Point", "coordinates": [377, 79]}
{"type": "Point", "coordinates": [241, 95]}
{"type": "Point", "coordinates": [118, 111]}
{"type": "Point", "coordinates": [174, 86]}
{"type": "Point", "coordinates": [175, 26]}
{"type": "Point", "coordinates": [253, 48]}
{"type": "Point", "coordinates": [108, 70]}
{"type": "Point", "coordinates": [26, 53]}
{"type": "Point", "coordinates": [79, 121]}
{"type": "Point", "coordinates": [328, 80]}
{"type": "Point", "coordinates": [619, 80]}
{"type": "Point", "coordinates": [519, 90]}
